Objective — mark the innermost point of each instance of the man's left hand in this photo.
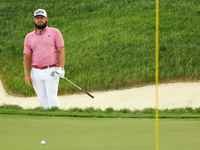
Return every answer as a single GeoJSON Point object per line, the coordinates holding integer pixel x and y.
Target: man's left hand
{"type": "Point", "coordinates": [61, 72]}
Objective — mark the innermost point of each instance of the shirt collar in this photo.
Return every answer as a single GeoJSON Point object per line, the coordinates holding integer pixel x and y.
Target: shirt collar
{"type": "Point", "coordinates": [45, 29]}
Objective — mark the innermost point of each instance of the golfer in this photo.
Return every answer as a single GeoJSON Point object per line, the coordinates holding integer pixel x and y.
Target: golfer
{"type": "Point", "coordinates": [40, 52]}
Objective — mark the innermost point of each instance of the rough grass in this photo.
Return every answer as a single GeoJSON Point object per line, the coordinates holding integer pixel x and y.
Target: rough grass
{"type": "Point", "coordinates": [109, 44]}
{"type": "Point", "coordinates": [98, 113]}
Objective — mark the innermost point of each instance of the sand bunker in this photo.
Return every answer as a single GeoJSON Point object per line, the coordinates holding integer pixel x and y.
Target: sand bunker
{"type": "Point", "coordinates": [172, 95]}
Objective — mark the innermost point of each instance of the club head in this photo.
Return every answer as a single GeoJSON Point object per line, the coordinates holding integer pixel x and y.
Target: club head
{"type": "Point", "coordinates": [52, 73]}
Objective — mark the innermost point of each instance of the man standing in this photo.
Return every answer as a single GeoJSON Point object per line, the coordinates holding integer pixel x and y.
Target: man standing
{"type": "Point", "coordinates": [40, 52]}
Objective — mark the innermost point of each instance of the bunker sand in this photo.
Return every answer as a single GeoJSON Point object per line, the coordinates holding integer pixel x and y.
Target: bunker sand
{"type": "Point", "coordinates": [172, 95]}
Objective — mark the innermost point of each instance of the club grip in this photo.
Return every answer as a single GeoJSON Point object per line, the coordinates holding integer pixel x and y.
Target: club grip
{"type": "Point", "coordinates": [87, 93]}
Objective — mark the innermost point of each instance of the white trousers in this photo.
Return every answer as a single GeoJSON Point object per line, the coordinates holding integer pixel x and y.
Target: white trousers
{"type": "Point", "coordinates": [46, 87]}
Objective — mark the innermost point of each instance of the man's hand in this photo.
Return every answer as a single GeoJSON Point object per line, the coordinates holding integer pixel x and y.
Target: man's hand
{"type": "Point", "coordinates": [27, 80]}
{"type": "Point", "coordinates": [27, 66]}
{"type": "Point", "coordinates": [61, 72]}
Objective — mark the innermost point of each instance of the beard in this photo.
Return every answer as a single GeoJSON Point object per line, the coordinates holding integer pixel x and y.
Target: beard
{"type": "Point", "coordinates": [41, 26]}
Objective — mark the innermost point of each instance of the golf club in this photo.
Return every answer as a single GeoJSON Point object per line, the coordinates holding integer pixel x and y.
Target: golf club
{"type": "Point", "coordinates": [53, 73]}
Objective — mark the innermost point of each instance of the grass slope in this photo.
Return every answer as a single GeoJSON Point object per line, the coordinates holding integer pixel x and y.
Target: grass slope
{"type": "Point", "coordinates": [109, 44]}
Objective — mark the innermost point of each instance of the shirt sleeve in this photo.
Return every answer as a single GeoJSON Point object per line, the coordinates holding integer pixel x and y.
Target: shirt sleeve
{"type": "Point", "coordinates": [27, 48]}
{"type": "Point", "coordinates": [59, 39]}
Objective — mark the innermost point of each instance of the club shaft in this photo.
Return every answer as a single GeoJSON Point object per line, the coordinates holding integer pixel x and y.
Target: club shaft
{"type": "Point", "coordinates": [73, 83]}
{"type": "Point", "coordinates": [79, 87]}
{"type": "Point", "coordinates": [76, 86]}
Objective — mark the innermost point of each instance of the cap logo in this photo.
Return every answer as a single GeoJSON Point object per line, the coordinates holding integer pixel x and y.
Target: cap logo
{"type": "Point", "coordinates": [39, 12]}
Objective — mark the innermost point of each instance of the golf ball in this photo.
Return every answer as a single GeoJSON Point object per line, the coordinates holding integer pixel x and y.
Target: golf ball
{"type": "Point", "coordinates": [43, 142]}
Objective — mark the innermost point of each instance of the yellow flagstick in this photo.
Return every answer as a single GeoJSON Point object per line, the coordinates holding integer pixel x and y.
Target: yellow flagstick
{"type": "Point", "coordinates": [157, 23]}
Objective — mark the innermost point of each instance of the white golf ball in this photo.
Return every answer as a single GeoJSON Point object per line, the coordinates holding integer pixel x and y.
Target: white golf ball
{"type": "Point", "coordinates": [43, 142]}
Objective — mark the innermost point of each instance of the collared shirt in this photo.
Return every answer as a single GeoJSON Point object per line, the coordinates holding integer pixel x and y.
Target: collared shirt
{"type": "Point", "coordinates": [43, 47]}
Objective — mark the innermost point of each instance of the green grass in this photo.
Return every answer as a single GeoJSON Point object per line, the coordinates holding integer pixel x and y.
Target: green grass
{"type": "Point", "coordinates": [26, 132]}
{"type": "Point", "coordinates": [109, 44]}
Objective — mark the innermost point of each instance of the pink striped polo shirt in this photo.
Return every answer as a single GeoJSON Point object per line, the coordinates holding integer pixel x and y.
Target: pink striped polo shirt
{"type": "Point", "coordinates": [43, 47]}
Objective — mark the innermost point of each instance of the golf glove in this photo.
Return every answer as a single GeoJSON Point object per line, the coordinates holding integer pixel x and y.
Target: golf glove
{"type": "Point", "coordinates": [61, 72]}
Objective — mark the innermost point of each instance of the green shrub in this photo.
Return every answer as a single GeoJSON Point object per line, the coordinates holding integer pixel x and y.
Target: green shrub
{"type": "Point", "coordinates": [109, 110]}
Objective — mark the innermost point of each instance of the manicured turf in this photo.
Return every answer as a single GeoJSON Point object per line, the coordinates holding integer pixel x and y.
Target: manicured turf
{"type": "Point", "coordinates": [61, 133]}
{"type": "Point", "coordinates": [181, 134]}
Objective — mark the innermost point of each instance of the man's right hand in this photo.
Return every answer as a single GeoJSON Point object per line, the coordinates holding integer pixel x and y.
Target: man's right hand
{"type": "Point", "coordinates": [27, 80]}
{"type": "Point", "coordinates": [27, 66]}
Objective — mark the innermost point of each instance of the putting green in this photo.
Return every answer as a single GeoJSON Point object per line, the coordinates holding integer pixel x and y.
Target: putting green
{"type": "Point", "coordinates": [26, 132]}
{"type": "Point", "coordinates": [181, 134]}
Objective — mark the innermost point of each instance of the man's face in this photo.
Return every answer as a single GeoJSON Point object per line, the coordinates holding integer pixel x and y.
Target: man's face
{"type": "Point", "coordinates": [40, 21]}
